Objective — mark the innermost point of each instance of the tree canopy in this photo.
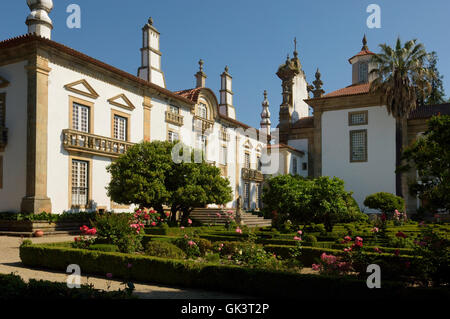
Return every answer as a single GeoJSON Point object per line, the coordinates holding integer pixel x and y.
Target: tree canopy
{"type": "Point", "coordinates": [147, 176]}
{"type": "Point", "coordinates": [304, 201]}
{"type": "Point", "coordinates": [430, 155]}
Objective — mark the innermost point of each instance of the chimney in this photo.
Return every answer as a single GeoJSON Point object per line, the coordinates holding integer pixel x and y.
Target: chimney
{"type": "Point", "coordinates": [38, 21]}
{"type": "Point", "coordinates": [150, 69]}
{"type": "Point", "coordinates": [200, 76]}
{"type": "Point", "coordinates": [226, 95]}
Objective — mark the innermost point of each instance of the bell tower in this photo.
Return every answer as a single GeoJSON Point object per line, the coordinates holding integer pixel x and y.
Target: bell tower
{"type": "Point", "coordinates": [294, 91]}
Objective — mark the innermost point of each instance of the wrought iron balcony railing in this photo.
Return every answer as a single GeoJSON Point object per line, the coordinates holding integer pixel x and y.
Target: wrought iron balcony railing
{"type": "Point", "coordinates": [174, 118]}
{"type": "Point", "coordinates": [251, 175]}
{"type": "Point", "coordinates": [94, 144]}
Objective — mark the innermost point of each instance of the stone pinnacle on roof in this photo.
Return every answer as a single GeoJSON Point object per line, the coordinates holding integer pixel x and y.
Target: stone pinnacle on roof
{"type": "Point", "coordinates": [317, 91]}
{"type": "Point", "coordinates": [364, 42]}
{"type": "Point", "coordinates": [295, 47]}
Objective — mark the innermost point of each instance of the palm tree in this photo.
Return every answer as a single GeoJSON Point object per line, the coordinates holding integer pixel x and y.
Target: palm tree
{"type": "Point", "coordinates": [400, 75]}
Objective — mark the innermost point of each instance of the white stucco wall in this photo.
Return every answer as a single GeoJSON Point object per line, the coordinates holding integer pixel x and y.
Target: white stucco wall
{"type": "Point", "coordinates": [302, 145]}
{"type": "Point", "coordinates": [14, 156]}
{"type": "Point", "coordinates": [58, 113]}
{"type": "Point", "coordinates": [375, 175]}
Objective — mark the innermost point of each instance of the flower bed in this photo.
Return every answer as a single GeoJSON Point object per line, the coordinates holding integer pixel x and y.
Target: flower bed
{"type": "Point", "coordinates": [251, 281]}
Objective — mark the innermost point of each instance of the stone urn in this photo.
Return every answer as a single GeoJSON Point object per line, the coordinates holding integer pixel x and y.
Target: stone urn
{"type": "Point", "coordinates": [38, 233]}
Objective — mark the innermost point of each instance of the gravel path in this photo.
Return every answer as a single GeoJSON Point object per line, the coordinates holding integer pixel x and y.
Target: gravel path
{"type": "Point", "coordinates": [10, 262]}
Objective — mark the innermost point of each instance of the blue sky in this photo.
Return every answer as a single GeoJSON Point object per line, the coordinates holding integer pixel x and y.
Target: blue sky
{"type": "Point", "coordinates": [251, 37]}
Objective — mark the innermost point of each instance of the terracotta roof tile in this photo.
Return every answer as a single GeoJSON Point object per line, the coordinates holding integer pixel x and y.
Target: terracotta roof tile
{"type": "Point", "coordinates": [33, 38]}
{"type": "Point", "coordinates": [361, 53]}
{"type": "Point", "coordinates": [350, 90]}
{"type": "Point", "coordinates": [190, 94]}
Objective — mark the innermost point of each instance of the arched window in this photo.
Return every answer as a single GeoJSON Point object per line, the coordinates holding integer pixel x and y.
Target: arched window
{"type": "Point", "coordinates": [202, 111]}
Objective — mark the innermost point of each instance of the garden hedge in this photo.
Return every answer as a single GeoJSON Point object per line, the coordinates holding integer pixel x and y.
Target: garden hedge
{"type": "Point", "coordinates": [253, 282]}
{"type": "Point", "coordinates": [13, 287]}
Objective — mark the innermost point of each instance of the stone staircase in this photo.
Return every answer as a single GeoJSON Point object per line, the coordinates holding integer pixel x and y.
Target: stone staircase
{"type": "Point", "coordinates": [217, 216]}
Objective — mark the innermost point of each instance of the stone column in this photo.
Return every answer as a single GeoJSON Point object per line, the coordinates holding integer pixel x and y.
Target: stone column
{"type": "Point", "coordinates": [36, 200]}
{"type": "Point", "coordinates": [147, 117]}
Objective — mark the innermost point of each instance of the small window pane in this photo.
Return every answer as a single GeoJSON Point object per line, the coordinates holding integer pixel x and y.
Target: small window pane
{"type": "Point", "coordinates": [358, 146]}
{"type": "Point", "coordinates": [80, 117]}
{"type": "Point", "coordinates": [358, 118]}
{"type": "Point", "coordinates": [120, 128]}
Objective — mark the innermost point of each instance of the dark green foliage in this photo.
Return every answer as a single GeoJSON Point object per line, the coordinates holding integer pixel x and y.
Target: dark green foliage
{"type": "Point", "coordinates": [385, 202]}
{"type": "Point", "coordinates": [104, 247]}
{"type": "Point", "coordinates": [304, 201]}
{"type": "Point", "coordinates": [164, 249]}
{"type": "Point", "coordinates": [308, 238]}
{"type": "Point", "coordinates": [64, 217]}
{"type": "Point", "coordinates": [13, 287]}
{"type": "Point", "coordinates": [430, 155]}
{"type": "Point", "coordinates": [258, 282]}
{"type": "Point", "coordinates": [115, 229]}
{"type": "Point", "coordinates": [139, 175]}
{"type": "Point", "coordinates": [146, 175]}
{"type": "Point", "coordinates": [437, 94]}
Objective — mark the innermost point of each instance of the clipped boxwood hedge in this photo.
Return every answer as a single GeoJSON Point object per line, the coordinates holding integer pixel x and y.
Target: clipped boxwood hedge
{"type": "Point", "coordinates": [13, 287]}
{"type": "Point", "coordinates": [254, 282]}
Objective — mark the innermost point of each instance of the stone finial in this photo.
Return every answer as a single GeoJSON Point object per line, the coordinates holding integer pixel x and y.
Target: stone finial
{"type": "Point", "coordinates": [364, 42]}
{"type": "Point", "coordinates": [317, 90]}
{"type": "Point", "coordinates": [226, 68]}
{"type": "Point", "coordinates": [295, 47]}
{"type": "Point", "coordinates": [200, 75]}
{"type": "Point", "coordinates": [150, 21]}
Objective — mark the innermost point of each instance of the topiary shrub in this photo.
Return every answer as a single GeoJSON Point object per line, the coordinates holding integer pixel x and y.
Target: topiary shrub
{"type": "Point", "coordinates": [385, 202]}
{"type": "Point", "coordinates": [164, 249]}
{"type": "Point", "coordinates": [309, 238]}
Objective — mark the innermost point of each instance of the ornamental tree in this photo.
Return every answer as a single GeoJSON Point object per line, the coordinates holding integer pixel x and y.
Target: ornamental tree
{"type": "Point", "coordinates": [147, 175]}
{"type": "Point", "coordinates": [194, 185]}
{"type": "Point", "coordinates": [139, 176]}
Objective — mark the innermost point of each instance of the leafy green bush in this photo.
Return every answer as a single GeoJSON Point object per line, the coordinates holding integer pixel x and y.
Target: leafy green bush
{"type": "Point", "coordinates": [104, 247]}
{"type": "Point", "coordinates": [13, 287]}
{"type": "Point", "coordinates": [302, 201]}
{"type": "Point", "coordinates": [115, 229]}
{"type": "Point", "coordinates": [385, 202]}
{"type": "Point", "coordinates": [204, 245]}
{"type": "Point", "coordinates": [258, 282]}
{"type": "Point", "coordinates": [164, 249]}
{"type": "Point", "coordinates": [189, 246]}
{"type": "Point", "coordinates": [308, 238]}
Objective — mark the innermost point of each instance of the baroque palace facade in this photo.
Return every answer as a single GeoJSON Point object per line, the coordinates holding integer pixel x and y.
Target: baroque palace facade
{"type": "Point", "coordinates": [65, 116]}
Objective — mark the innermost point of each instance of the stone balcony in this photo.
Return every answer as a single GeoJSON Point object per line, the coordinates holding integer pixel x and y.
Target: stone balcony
{"type": "Point", "coordinates": [202, 124]}
{"type": "Point", "coordinates": [174, 118]}
{"type": "Point", "coordinates": [94, 144]}
{"type": "Point", "coordinates": [3, 137]}
{"type": "Point", "coordinates": [249, 174]}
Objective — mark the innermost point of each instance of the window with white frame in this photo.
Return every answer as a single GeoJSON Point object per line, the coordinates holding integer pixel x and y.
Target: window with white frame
{"type": "Point", "coordinates": [80, 117]}
{"type": "Point", "coordinates": [80, 182]}
{"type": "Point", "coordinates": [363, 72]}
{"type": "Point", "coordinates": [247, 195]}
{"type": "Point", "coordinates": [174, 109]}
{"type": "Point", "coordinates": [120, 127]}
{"type": "Point", "coordinates": [223, 155]}
{"type": "Point", "coordinates": [173, 136]}
{"type": "Point", "coordinates": [201, 143]}
{"type": "Point", "coordinates": [202, 111]}
{"type": "Point", "coordinates": [358, 146]}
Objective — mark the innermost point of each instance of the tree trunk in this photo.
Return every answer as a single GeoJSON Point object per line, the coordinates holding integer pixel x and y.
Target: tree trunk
{"type": "Point", "coordinates": [401, 142]}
